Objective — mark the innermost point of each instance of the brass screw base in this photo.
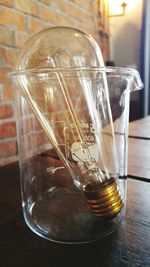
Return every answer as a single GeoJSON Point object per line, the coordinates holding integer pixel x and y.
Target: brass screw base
{"type": "Point", "coordinates": [104, 201]}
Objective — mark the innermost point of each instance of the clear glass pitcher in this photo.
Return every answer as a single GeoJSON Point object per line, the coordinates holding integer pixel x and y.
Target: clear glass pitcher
{"type": "Point", "coordinates": [57, 199]}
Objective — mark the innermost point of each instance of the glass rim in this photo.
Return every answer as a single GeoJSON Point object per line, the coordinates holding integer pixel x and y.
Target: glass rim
{"type": "Point", "coordinates": [46, 70]}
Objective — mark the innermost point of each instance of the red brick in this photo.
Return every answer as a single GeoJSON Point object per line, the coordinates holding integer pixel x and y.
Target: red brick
{"type": "Point", "coordinates": [58, 116]}
{"type": "Point", "coordinates": [36, 24]}
{"type": "Point", "coordinates": [7, 129]}
{"type": "Point", "coordinates": [7, 2]}
{"type": "Point", "coordinates": [74, 11]}
{"type": "Point", "coordinates": [36, 124]}
{"type": "Point", "coordinates": [27, 6]}
{"type": "Point", "coordinates": [21, 38]}
{"type": "Point", "coordinates": [26, 125]}
{"type": "Point", "coordinates": [84, 27]}
{"type": "Point", "coordinates": [46, 2]}
{"type": "Point", "coordinates": [48, 15]}
{"type": "Point", "coordinates": [37, 139]}
{"type": "Point", "coordinates": [59, 5]}
{"type": "Point", "coordinates": [11, 18]}
{"type": "Point", "coordinates": [3, 75]}
{"type": "Point", "coordinates": [85, 4]}
{"type": "Point", "coordinates": [8, 149]}
{"type": "Point", "coordinates": [8, 56]}
{"type": "Point", "coordinates": [1, 94]}
{"type": "Point", "coordinates": [9, 160]}
{"type": "Point", "coordinates": [8, 92]}
{"type": "Point", "coordinates": [7, 37]}
{"type": "Point", "coordinates": [6, 111]}
{"type": "Point", "coordinates": [26, 141]}
{"type": "Point", "coordinates": [66, 20]}
{"type": "Point", "coordinates": [25, 109]}
{"type": "Point", "coordinates": [94, 8]}
{"type": "Point", "coordinates": [89, 20]}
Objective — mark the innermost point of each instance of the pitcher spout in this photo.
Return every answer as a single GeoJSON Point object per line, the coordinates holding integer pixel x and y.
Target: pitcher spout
{"type": "Point", "coordinates": [135, 80]}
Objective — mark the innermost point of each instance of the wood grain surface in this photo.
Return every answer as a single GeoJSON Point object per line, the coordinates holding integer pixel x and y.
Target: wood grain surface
{"type": "Point", "coordinates": [128, 246]}
{"type": "Point", "coordinates": [140, 128]}
{"type": "Point", "coordinates": [139, 158]}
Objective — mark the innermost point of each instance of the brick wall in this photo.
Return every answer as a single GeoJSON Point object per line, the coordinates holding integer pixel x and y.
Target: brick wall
{"type": "Point", "coordinates": [19, 19]}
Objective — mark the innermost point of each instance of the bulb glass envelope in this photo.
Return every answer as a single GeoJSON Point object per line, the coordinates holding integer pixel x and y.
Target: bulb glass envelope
{"type": "Point", "coordinates": [59, 47]}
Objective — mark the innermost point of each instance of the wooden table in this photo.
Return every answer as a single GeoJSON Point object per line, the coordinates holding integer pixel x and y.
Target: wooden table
{"type": "Point", "coordinates": [128, 246]}
{"type": "Point", "coordinates": [139, 149]}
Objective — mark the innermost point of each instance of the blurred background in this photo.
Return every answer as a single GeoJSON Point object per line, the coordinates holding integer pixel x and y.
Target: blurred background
{"type": "Point", "coordinates": [121, 29]}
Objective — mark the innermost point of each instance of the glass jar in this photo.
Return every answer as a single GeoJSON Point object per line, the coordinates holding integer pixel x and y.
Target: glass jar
{"type": "Point", "coordinates": [56, 203]}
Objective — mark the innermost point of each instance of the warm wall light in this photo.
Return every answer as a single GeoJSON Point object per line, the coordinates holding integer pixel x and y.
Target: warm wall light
{"type": "Point", "coordinates": [123, 6]}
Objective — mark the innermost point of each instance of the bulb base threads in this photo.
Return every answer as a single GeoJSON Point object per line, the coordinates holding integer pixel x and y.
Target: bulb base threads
{"type": "Point", "coordinates": [104, 200]}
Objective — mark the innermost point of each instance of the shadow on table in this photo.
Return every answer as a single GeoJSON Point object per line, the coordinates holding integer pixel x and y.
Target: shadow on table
{"type": "Point", "coordinates": [23, 248]}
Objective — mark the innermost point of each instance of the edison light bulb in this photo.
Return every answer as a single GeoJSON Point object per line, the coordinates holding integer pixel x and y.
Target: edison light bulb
{"type": "Point", "coordinates": [71, 103]}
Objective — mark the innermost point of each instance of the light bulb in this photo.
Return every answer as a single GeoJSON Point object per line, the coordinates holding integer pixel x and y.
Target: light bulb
{"type": "Point", "coordinates": [72, 106]}
{"type": "Point", "coordinates": [101, 191]}
{"type": "Point", "coordinates": [71, 47]}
